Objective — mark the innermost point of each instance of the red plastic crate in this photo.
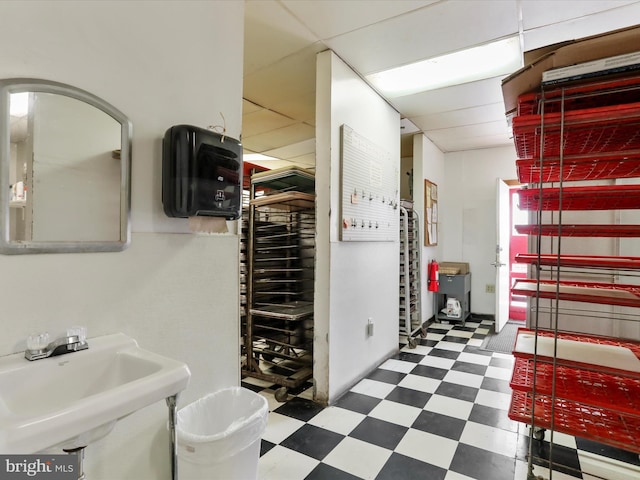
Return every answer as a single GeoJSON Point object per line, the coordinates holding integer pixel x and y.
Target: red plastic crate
{"type": "Point", "coordinates": [586, 261]}
{"type": "Point", "coordinates": [575, 168]}
{"type": "Point", "coordinates": [578, 230]}
{"type": "Point", "coordinates": [595, 197]}
{"type": "Point", "coordinates": [588, 386]}
{"type": "Point", "coordinates": [588, 292]}
{"type": "Point", "coordinates": [606, 426]}
{"type": "Point", "coordinates": [577, 97]}
{"type": "Point", "coordinates": [590, 131]}
{"type": "Point", "coordinates": [632, 345]}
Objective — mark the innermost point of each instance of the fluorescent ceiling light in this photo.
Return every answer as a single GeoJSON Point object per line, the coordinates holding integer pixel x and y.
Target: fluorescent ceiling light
{"type": "Point", "coordinates": [477, 63]}
{"type": "Point", "coordinates": [19, 105]}
{"type": "Point", "coordinates": [257, 157]}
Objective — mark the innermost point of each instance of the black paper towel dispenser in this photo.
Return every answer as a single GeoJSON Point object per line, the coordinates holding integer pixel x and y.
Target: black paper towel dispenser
{"type": "Point", "coordinates": [201, 173]}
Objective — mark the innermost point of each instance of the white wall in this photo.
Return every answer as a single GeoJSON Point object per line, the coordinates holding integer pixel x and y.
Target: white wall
{"type": "Point", "coordinates": [428, 163]}
{"type": "Point", "coordinates": [162, 64]}
{"type": "Point", "coordinates": [354, 280]}
{"type": "Point", "coordinates": [406, 169]}
{"type": "Point", "coordinates": [468, 214]}
{"type": "Point", "coordinates": [76, 181]}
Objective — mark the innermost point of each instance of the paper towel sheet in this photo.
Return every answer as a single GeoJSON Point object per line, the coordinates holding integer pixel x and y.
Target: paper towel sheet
{"type": "Point", "coordinates": [208, 225]}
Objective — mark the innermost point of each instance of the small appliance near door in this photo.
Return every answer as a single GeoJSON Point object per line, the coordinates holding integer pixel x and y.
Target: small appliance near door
{"type": "Point", "coordinates": [453, 298]}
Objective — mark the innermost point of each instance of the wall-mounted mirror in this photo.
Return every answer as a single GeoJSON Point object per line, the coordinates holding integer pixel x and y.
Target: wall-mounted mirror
{"type": "Point", "coordinates": [65, 169]}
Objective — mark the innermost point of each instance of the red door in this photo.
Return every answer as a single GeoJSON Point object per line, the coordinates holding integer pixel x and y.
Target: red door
{"type": "Point", "coordinates": [517, 244]}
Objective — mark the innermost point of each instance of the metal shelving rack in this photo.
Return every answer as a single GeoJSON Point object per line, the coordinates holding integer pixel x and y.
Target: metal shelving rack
{"type": "Point", "coordinates": [561, 380]}
{"type": "Point", "coordinates": [244, 228]}
{"type": "Point", "coordinates": [278, 329]}
{"type": "Point", "coordinates": [410, 291]}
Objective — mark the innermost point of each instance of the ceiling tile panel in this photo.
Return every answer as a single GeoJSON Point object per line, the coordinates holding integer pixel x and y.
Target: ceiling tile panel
{"type": "Point", "coordinates": [447, 138]}
{"type": "Point", "coordinates": [471, 94]}
{"type": "Point", "coordinates": [271, 33]}
{"type": "Point", "coordinates": [582, 27]}
{"type": "Point", "coordinates": [455, 139]}
{"type": "Point", "coordinates": [328, 19]}
{"type": "Point", "coordinates": [294, 150]}
{"type": "Point", "coordinates": [282, 38]}
{"type": "Point", "coordinates": [456, 144]}
{"type": "Point", "coordinates": [249, 107]}
{"type": "Point", "coordinates": [308, 160]}
{"type": "Point", "coordinates": [302, 107]}
{"type": "Point", "coordinates": [280, 137]}
{"type": "Point", "coordinates": [464, 116]}
{"type": "Point", "coordinates": [440, 28]}
{"type": "Point", "coordinates": [263, 121]}
{"type": "Point", "coordinates": [293, 76]}
{"type": "Point", "coordinates": [540, 13]}
{"type": "Point", "coordinates": [482, 129]}
{"type": "Point", "coordinates": [256, 144]}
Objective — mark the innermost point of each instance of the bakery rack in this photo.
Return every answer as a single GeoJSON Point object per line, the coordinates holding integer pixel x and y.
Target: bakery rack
{"type": "Point", "coordinates": [593, 197]}
{"type": "Point", "coordinates": [410, 313]}
{"type": "Point", "coordinates": [600, 401]}
{"type": "Point", "coordinates": [587, 132]}
{"type": "Point", "coordinates": [576, 131]}
{"type": "Point", "coordinates": [278, 333]}
{"type": "Point", "coordinates": [580, 230]}
{"type": "Point", "coordinates": [248, 169]}
{"type": "Point", "coordinates": [588, 292]}
{"type": "Point", "coordinates": [580, 167]}
{"type": "Point", "coordinates": [581, 96]}
{"type": "Point", "coordinates": [587, 261]}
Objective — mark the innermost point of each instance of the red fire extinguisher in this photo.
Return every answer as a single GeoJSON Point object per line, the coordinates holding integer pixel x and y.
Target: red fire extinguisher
{"type": "Point", "coordinates": [433, 284]}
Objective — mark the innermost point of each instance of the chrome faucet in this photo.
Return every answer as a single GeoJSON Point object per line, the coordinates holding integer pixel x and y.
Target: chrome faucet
{"type": "Point", "coordinates": [38, 346]}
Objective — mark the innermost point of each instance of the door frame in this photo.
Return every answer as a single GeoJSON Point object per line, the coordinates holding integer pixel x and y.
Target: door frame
{"type": "Point", "coordinates": [501, 262]}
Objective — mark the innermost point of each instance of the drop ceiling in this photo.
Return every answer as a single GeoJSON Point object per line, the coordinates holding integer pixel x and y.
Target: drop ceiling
{"type": "Point", "coordinates": [282, 38]}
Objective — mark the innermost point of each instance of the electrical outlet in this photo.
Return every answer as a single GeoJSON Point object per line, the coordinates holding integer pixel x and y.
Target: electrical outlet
{"type": "Point", "coordinates": [490, 288]}
{"type": "Point", "coordinates": [370, 327]}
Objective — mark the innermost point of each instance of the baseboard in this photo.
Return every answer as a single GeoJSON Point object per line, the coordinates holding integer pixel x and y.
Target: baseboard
{"type": "Point", "coordinates": [609, 468]}
{"type": "Point", "coordinates": [483, 316]}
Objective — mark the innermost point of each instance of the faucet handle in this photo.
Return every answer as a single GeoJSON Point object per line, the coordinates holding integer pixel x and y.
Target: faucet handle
{"type": "Point", "coordinates": [38, 341]}
{"type": "Point", "coordinates": [80, 332]}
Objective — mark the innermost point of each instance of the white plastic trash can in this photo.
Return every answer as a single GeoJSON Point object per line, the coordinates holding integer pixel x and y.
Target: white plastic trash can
{"type": "Point", "coordinates": [219, 435]}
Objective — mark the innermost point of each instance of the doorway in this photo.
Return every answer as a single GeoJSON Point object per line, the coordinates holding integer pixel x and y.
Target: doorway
{"type": "Point", "coordinates": [518, 243]}
{"type": "Point", "coordinates": [509, 243]}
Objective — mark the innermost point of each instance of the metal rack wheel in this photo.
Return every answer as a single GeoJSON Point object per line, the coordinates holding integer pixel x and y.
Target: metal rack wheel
{"type": "Point", "coordinates": [281, 394]}
{"type": "Point", "coordinates": [412, 342]}
{"type": "Point", "coordinates": [532, 476]}
{"type": "Point", "coordinates": [538, 433]}
{"type": "Point", "coordinates": [423, 332]}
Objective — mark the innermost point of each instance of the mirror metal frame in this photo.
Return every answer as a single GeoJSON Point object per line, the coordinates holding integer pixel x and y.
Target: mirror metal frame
{"type": "Point", "coordinates": [19, 85]}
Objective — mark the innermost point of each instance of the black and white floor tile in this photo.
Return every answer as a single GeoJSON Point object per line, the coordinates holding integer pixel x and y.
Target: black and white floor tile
{"type": "Point", "coordinates": [434, 412]}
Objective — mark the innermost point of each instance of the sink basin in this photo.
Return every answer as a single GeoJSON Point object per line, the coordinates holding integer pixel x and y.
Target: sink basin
{"type": "Point", "coordinates": [71, 400]}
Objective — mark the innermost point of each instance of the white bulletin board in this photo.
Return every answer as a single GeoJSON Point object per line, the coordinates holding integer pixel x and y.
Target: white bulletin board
{"type": "Point", "coordinates": [369, 196]}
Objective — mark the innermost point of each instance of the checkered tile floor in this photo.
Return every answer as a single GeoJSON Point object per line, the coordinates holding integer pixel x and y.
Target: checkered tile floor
{"type": "Point", "coordinates": [435, 412]}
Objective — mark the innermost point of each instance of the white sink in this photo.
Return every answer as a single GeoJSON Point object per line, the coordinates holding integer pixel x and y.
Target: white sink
{"type": "Point", "coordinates": [74, 399]}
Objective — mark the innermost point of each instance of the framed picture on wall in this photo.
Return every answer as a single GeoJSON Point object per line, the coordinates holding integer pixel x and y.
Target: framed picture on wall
{"type": "Point", "coordinates": [430, 214]}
